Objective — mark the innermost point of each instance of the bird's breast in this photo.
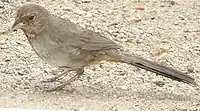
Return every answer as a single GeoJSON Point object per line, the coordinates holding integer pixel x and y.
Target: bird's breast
{"type": "Point", "coordinates": [51, 52]}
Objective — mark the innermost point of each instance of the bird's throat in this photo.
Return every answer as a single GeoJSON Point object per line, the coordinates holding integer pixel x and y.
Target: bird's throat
{"type": "Point", "coordinates": [29, 35]}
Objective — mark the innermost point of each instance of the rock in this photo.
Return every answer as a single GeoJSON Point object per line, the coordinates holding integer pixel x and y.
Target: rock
{"type": "Point", "coordinates": [158, 82]}
{"type": "Point", "coordinates": [160, 49]}
{"type": "Point", "coordinates": [85, 1]}
{"type": "Point", "coordinates": [2, 42]}
{"type": "Point", "coordinates": [3, 47]}
{"type": "Point", "coordinates": [1, 6]}
{"type": "Point", "coordinates": [190, 69]}
{"type": "Point", "coordinates": [124, 87]}
{"type": "Point", "coordinates": [162, 5]}
{"type": "Point", "coordinates": [139, 8]}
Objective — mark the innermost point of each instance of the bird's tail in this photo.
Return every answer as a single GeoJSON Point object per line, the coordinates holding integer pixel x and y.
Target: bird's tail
{"type": "Point", "coordinates": [156, 68]}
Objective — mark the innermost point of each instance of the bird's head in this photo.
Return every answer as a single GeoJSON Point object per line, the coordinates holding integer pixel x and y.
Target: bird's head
{"type": "Point", "coordinates": [31, 18]}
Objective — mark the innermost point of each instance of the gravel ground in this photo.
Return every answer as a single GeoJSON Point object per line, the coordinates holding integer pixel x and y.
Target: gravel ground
{"type": "Point", "coordinates": [163, 31]}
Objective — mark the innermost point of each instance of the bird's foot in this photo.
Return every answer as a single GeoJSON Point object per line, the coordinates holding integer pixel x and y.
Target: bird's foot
{"type": "Point", "coordinates": [56, 77]}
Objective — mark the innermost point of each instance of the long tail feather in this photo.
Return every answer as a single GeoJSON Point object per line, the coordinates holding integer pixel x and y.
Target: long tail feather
{"type": "Point", "coordinates": [156, 68]}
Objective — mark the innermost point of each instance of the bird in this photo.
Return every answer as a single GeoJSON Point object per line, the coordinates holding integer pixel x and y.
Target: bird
{"type": "Point", "coordinates": [68, 46]}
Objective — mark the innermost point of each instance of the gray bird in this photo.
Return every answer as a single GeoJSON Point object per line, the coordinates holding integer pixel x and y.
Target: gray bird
{"type": "Point", "coordinates": [66, 45]}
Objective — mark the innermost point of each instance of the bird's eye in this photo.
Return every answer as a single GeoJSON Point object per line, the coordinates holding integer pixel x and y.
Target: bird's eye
{"type": "Point", "coordinates": [32, 17]}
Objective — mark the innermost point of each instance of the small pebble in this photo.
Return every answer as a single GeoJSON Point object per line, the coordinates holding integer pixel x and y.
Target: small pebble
{"type": "Point", "coordinates": [172, 2]}
{"type": "Point", "coordinates": [1, 6]}
{"type": "Point", "coordinates": [2, 42]}
{"type": "Point", "coordinates": [160, 49]}
{"type": "Point", "coordinates": [176, 23]}
{"type": "Point", "coordinates": [85, 1]}
{"type": "Point", "coordinates": [158, 82]}
{"type": "Point", "coordinates": [139, 8]}
{"type": "Point", "coordinates": [190, 69]}
{"type": "Point", "coordinates": [20, 73]}
{"type": "Point", "coordinates": [3, 47]}
{"type": "Point", "coordinates": [124, 87]}
{"type": "Point", "coordinates": [136, 19]}
{"type": "Point", "coordinates": [162, 5]}
{"type": "Point", "coordinates": [7, 60]}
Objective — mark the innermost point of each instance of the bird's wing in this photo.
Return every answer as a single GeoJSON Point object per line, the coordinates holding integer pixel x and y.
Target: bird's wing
{"type": "Point", "coordinates": [71, 34]}
{"type": "Point", "coordinates": [94, 41]}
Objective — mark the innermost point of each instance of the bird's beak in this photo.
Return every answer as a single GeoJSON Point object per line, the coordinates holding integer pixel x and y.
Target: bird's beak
{"type": "Point", "coordinates": [17, 24]}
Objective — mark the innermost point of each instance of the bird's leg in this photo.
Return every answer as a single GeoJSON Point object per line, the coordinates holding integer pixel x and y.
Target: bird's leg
{"type": "Point", "coordinates": [79, 72]}
{"type": "Point", "coordinates": [52, 79]}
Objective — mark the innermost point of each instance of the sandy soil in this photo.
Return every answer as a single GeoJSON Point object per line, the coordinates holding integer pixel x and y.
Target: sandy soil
{"type": "Point", "coordinates": [166, 32]}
